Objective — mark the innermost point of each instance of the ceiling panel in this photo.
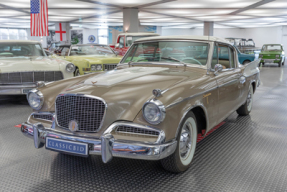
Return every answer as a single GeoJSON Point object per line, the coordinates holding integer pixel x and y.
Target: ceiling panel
{"type": "Point", "coordinates": [275, 4]}
{"type": "Point", "coordinates": [265, 12]}
{"type": "Point", "coordinates": [206, 4]}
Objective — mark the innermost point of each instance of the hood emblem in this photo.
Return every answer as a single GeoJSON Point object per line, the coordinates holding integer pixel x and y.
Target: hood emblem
{"type": "Point", "coordinates": [94, 82]}
{"type": "Point", "coordinates": [73, 126]}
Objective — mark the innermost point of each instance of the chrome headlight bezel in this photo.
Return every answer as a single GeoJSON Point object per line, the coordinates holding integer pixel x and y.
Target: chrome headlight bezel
{"type": "Point", "coordinates": [39, 96]}
{"type": "Point", "coordinates": [70, 67]}
{"type": "Point", "coordinates": [159, 106]}
{"type": "Point", "coordinates": [260, 55]}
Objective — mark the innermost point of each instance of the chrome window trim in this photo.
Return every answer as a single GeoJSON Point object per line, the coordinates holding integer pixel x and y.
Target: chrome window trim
{"type": "Point", "coordinates": [83, 95]}
{"type": "Point", "coordinates": [182, 40]}
{"type": "Point", "coordinates": [161, 136]}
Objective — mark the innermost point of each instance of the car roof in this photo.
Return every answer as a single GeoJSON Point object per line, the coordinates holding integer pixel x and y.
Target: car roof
{"type": "Point", "coordinates": [140, 34]}
{"type": "Point", "coordinates": [19, 41]}
{"type": "Point", "coordinates": [189, 37]}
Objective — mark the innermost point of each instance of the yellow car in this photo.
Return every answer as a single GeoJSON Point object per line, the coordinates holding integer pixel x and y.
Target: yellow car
{"type": "Point", "coordinates": [89, 58]}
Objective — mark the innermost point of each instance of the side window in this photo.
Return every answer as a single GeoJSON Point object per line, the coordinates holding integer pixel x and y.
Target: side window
{"type": "Point", "coordinates": [223, 56]}
{"type": "Point", "coordinates": [214, 57]}
{"type": "Point", "coordinates": [231, 57]}
{"type": "Point", "coordinates": [122, 41]}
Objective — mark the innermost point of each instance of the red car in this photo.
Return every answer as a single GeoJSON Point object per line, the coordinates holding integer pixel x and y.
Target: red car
{"type": "Point", "coordinates": [125, 40]}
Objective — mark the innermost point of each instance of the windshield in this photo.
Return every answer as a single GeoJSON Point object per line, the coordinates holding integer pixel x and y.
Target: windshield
{"type": "Point", "coordinates": [271, 48]}
{"type": "Point", "coordinates": [20, 50]}
{"type": "Point", "coordinates": [131, 39]}
{"type": "Point", "coordinates": [169, 52]}
{"type": "Point", "coordinates": [91, 50]}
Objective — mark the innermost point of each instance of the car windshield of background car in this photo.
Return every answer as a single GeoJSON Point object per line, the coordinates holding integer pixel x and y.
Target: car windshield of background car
{"type": "Point", "coordinates": [20, 50]}
{"type": "Point", "coordinates": [91, 50]}
{"type": "Point", "coordinates": [272, 48]}
{"type": "Point", "coordinates": [169, 52]}
{"type": "Point", "coordinates": [130, 39]}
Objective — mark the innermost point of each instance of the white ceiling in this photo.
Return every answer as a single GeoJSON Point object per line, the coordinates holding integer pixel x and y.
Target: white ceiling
{"type": "Point", "coordinates": [165, 13]}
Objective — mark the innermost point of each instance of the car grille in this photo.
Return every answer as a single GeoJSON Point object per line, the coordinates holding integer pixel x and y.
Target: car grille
{"type": "Point", "coordinates": [135, 130]}
{"type": "Point", "coordinates": [87, 111]}
{"type": "Point", "coordinates": [48, 117]}
{"type": "Point", "coordinates": [108, 67]}
{"type": "Point", "coordinates": [30, 77]}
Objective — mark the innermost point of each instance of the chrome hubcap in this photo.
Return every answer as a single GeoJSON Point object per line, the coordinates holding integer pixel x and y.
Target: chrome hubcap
{"type": "Point", "coordinates": [185, 140]}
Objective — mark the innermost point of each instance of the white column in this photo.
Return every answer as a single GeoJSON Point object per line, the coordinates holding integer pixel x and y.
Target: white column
{"type": "Point", "coordinates": [131, 20]}
{"type": "Point", "coordinates": [208, 28]}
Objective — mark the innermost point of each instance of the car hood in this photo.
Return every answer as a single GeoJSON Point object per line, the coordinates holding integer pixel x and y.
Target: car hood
{"type": "Point", "coordinates": [125, 90]}
{"type": "Point", "coordinates": [30, 64]}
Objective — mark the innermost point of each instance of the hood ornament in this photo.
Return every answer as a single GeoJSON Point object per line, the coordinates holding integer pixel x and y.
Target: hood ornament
{"type": "Point", "coordinates": [156, 92]}
{"type": "Point", "coordinates": [94, 82]}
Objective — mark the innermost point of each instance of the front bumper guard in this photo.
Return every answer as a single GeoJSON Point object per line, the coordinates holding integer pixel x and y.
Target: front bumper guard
{"type": "Point", "coordinates": [106, 146]}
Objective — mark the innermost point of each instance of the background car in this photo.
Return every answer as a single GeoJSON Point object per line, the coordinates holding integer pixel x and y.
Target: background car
{"type": "Point", "coordinates": [125, 40]}
{"type": "Point", "coordinates": [153, 108]}
{"type": "Point", "coordinates": [244, 58]}
{"type": "Point", "coordinates": [272, 53]}
{"type": "Point", "coordinates": [24, 64]}
{"type": "Point", "coordinates": [246, 46]}
{"type": "Point", "coordinates": [90, 58]}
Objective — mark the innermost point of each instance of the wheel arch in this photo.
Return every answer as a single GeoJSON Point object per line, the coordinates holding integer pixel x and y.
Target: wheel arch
{"type": "Point", "coordinates": [201, 116]}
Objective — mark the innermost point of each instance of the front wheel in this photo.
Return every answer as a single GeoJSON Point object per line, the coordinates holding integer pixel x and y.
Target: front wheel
{"type": "Point", "coordinates": [77, 72]}
{"type": "Point", "coordinates": [245, 109]}
{"type": "Point", "coordinates": [280, 64]}
{"type": "Point", "coordinates": [181, 159]}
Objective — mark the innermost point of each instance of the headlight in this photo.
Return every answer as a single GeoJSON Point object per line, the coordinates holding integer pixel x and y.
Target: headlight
{"type": "Point", "coordinates": [35, 99]}
{"type": "Point", "coordinates": [96, 67]}
{"type": "Point", "coordinates": [277, 56]}
{"type": "Point", "coordinates": [70, 68]}
{"type": "Point", "coordinates": [154, 112]}
{"type": "Point", "coordinates": [260, 56]}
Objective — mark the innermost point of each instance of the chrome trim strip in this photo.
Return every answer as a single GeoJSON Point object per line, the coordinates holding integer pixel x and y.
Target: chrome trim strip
{"type": "Point", "coordinates": [83, 95]}
{"type": "Point", "coordinates": [125, 149]}
{"type": "Point", "coordinates": [18, 86]}
{"type": "Point", "coordinates": [161, 136]}
{"type": "Point", "coordinates": [42, 113]}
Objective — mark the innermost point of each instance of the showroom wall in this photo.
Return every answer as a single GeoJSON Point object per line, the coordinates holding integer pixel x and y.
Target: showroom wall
{"type": "Point", "coordinates": [259, 35]}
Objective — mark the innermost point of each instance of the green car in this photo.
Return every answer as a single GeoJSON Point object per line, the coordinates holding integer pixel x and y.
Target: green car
{"type": "Point", "coordinates": [272, 53]}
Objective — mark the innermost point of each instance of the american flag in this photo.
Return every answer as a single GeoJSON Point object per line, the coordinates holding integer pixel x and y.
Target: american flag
{"type": "Point", "coordinates": [39, 18]}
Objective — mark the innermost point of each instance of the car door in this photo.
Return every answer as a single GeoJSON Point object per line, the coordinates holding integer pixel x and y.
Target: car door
{"type": "Point", "coordinates": [227, 80]}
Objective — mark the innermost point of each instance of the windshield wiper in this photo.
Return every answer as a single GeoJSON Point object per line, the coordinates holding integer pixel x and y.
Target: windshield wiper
{"type": "Point", "coordinates": [173, 59]}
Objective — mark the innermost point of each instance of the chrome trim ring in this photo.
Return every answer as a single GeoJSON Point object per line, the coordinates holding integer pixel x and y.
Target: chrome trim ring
{"type": "Point", "coordinates": [161, 108]}
{"type": "Point", "coordinates": [41, 97]}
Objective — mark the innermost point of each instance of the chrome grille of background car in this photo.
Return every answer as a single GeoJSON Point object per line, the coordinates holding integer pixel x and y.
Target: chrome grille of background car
{"type": "Point", "coordinates": [108, 67]}
{"type": "Point", "coordinates": [136, 130]}
{"type": "Point", "coordinates": [47, 117]}
{"type": "Point", "coordinates": [30, 77]}
{"type": "Point", "coordinates": [87, 111]}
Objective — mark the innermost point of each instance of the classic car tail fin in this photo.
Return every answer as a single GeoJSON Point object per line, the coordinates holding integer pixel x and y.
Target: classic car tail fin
{"type": "Point", "coordinates": [251, 68]}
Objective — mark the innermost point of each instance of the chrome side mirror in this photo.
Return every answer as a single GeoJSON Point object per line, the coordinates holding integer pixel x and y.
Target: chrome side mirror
{"type": "Point", "coordinates": [217, 68]}
{"type": "Point", "coordinates": [117, 45]}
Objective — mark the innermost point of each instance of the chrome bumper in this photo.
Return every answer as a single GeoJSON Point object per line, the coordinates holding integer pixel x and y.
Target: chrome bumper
{"type": "Point", "coordinates": [106, 146]}
{"type": "Point", "coordinates": [15, 89]}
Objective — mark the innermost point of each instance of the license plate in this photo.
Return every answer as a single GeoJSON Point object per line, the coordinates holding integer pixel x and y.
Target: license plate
{"type": "Point", "coordinates": [25, 91]}
{"type": "Point", "coordinates": [75, 148]}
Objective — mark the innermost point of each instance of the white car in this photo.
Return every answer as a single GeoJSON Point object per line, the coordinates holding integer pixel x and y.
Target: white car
{"type": "Point", "coordinates": [24, 66]}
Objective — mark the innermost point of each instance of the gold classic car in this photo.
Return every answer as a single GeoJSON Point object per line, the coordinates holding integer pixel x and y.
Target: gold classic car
{"type": "Point", "coordinates": [152, 106]}
{"type": "Point", "coordinates": [89, 58]}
